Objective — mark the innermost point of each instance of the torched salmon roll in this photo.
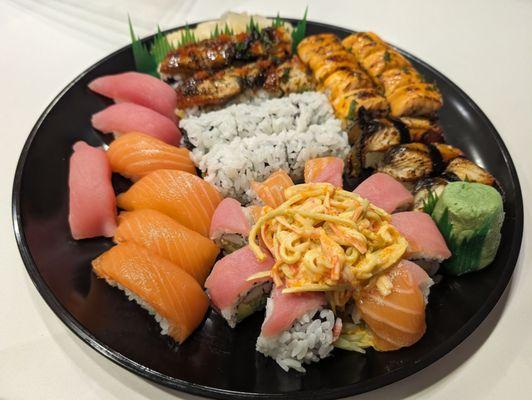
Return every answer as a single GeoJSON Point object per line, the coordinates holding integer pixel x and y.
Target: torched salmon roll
{"type": "Point", "coordinates": [347, 105]}
{"type": "Point", "coordinates": [416, 99]}
{"type": "Point", "coordinates": [311, 45]}
{"type": "Point", "coordinates": [362, 44]}
{"type": "Point", "coordinates": [345, 80]}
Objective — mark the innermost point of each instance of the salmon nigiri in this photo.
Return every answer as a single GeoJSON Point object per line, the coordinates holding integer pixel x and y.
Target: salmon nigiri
{"type": "Point", "coordinates": [138, 88]}
{"type": "Point", "coordinates": [136, 155]}
{"type": "Point", "coordinates": [271, 191]}
{"type": "Point", "coordinates": [163, 235]}
{"type": "Point", "coordinates": [185, 197]}
{"type": "Point", "coordinates": [128, 117]}
{"type": "Point", "coordinates": [92, 202]}
{"type": "Point", "coordinates": [324, 169]}
{"type": "Point", "coordinates": [393, 306]}
{"type": "Point", "coordinates": [165, 290]}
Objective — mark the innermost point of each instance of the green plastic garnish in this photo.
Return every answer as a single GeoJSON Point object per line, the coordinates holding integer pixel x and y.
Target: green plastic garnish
{"type": "Point", "coordinates": [430, 202]}
{"type": "Point", "coordinates": [144, 61]}
{"type": "Point", "coordinates": [187, 37]}
{"type": "Point", "coordinates": [160, 47]}
{"type": "Point", "coordinates": [299, 32]}
{"type": "Point", "coordinates": [277, 22]}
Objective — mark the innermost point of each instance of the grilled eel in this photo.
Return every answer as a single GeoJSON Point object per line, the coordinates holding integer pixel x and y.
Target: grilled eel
{"type": "Point", "coordinates": [203, 89]}
{"type": "Point", "coordinates": [224, 50]}
{"type": "Point", "coordinates": [406, 91]}
{"type": "Point", "coordinates": [339, 75]}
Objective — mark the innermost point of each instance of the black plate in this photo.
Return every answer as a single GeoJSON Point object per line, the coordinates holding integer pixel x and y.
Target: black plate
{"type": "Point", "coordinates": [217, 361]}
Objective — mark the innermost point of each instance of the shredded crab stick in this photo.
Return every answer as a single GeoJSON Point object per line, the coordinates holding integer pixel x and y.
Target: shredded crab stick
{"type": "Point", "coordinates": [165, 290]}
{"type": "Point", "coordinates": [185, 197]}
{"type": "Point", "coordinates": [138, 88]}
{"type": "Point", "coordinates": [136, 155]}
{"type": "Point", "coordinates": [425, 241]}
{"type": "Point", "coordinates": [385, 192]}
{"type": "Point", "coordinates": [128, 117]}
{"type": "Point", "coordinates": [92, 202]}
{"type": "Point", "coordinates": [271, 191]}
{"type": "Point", "coordinates": [393, 306]}
{"type": "Point", "coordinates": [324, 169]}
{"type": "Point", "coordinates": [163, 235]}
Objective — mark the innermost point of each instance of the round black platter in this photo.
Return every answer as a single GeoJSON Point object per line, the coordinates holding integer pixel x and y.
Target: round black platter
{"type": "Point", "coordinates": [217, 361]}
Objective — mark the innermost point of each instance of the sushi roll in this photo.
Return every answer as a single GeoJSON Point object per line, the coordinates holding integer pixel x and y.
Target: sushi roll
{"type": "Point", "coordinates": [230, 225]}
{"type": "Point", "coordinates": [176, 300]}
{"type": "Point", "coordinates": [230, 288]}
{"type": "Point", "coordinates": [427, 191]}
{"type": "Point", "coordinates": [385, 192]}
{"type": "Point", "coordinates": [297, 329]}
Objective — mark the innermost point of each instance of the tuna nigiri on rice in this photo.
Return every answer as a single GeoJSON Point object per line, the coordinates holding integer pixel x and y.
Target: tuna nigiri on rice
{"type": "Point", "coordinates": [92, 202]}
{"type": "Point", "coordinates": [128, 117]}
{"type": "Point", "coordinates": [385, 192]}
{"type": "Point", "coordinates": [229, 289]}
{"type": "Point", "coordinates": [142, 89]}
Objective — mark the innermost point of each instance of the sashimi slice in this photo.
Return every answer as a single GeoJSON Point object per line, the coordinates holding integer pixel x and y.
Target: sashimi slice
{"type": "Point", "coordinates": [425, 241]}
{"type": "Point", "coordinates": [92, 202]}
{"type": "Point", "coordinates": [142, 89]}
{"type": "Point", "coordinates": [271, 191]}
{"type": "Point", "coordinates": [129, 117]}
{"type": "Point", "coordinates": [228, 279]}
{"type": "Point", "coordinates": [229, 217]}
{"type": "Point", "coordinates": [185, 197]}
{"type": "Point", "coordinates": [396, 318]}
{"type": "Point", "coordinates": [163, 235]}
{"type": "Point", "coordinates": [385, 192]}
{"type": "Point", "coordinates": [157, 285]}
{"type": "Point", "coordinates": [324, 169]}
{"type": "Point", "coordinates": [284, 309]}
{"type": "Point", "coordinates": [136, 155]}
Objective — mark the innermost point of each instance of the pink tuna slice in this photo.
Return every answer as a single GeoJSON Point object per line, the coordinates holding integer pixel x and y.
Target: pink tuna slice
{"type": "Point", "coordinates": [424, 239]}
{"type": "Point", "coordinates": [227, 280]}
{"type": "Point", "coordinates": [229, 217]}
{"type": "Point", "coordinates": [285, 309]}
{"type": "Point", "coordinates": [142, 89]}
{"type": "Point", "coordinates": [332, 173]}
{"type": "Point", "coordinates": [92, 198]}
{"type": "Point", "coordinates": [129, 117]}
{"type": "Point", "coordinates": [385, 192]}
{"type": "Point", "coordinates": [418, 274]}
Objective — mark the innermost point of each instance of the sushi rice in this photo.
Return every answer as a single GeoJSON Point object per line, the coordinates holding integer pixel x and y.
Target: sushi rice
{"type": "Point", "coordinates": [308, 340]}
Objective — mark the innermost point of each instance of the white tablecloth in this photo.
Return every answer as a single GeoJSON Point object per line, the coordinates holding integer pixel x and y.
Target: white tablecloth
{"type": "Point", "coordinates": [483, 46]}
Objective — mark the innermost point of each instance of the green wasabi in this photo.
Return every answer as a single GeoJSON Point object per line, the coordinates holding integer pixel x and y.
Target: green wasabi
{"type": "Point", "coordinates": [469, 216]}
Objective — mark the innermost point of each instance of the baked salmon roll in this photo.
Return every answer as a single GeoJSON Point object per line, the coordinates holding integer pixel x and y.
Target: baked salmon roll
{"type": "Point", "coordinates": [383, 60]}
{"type": "Point", "coordinates": [415, 100]}
{"type": "Point", "coordinates": [362, 44]}
{"type": "Point", "coordinates": [348, 104]}
{"type": "Point", "coordinates": [311, 45]}
{"type": "Point", "coordinates": [345, 80]}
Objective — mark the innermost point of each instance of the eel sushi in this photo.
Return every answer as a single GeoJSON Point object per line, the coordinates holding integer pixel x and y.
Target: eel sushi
{"type": "Point", "coordinates": [426, 244]}
{"type": "Point", "coordinates": [385, 192]}
{"type": "Point", "coordinates": [128, 117]}
{"type": "Point", "coordinates": [466, 170]}
{"type": "Point", "coordinates": [297, 329]}
{"type": "Point", "coordinates": [231, 291]}
{"type": "Point", "coordinates": [162, 235]}
{"type": "Point", "coordinates": [427, 191]}
{"type": "Point", "coordinates": [142, 89]}
{"type": "Point", "coordinates": [185, 197]}
{"type": "Point", "coordinates": [393, 306]}
{"type": "Point", "coordinates": [324, 169]}
{"type": "Point", "coordinates": [176, 300]}
{"type": "Point", "coordinates": [271, 191]}
{"type": "Point", "coordinates": [92, 202]}
{"type": "Point", "coordinates": [230, 225]}
{"type": "Point", "coordinates": [136, 155]}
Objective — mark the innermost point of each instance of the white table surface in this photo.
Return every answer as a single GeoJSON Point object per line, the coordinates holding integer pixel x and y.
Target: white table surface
{"type": "Point", "coordinates": [483, 46]}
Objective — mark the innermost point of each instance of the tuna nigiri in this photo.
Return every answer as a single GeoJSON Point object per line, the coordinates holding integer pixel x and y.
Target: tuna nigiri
{"type": "Point", "coordinates": [230, 225]}
{"type": "Point", "coordinates": [324, 169]}
{"type": "Point", "coordinates": [229, 289]}
{"type": "Point", "coordinates": [297, 329]}
{"type": "Point", "coordinates": [129, 117]}
{"type": "Point", "coordinates": [136, 155]}
{"type": "Point", "coordinates": [424, 238]}
{"type": "Point", "coordinates": [385, 192]}
{"type": "Point", "coordinates": [271, 191]}
{"type": "Point", "coordinates": [165, 290]}
{"type": "Point", "coordinates": [138, 88]}
{"type": "Point", "coordinates": [163, 235]}
{"type": "Point", "coordinates": [395, 309]}
{"type": "Point", "coordinates": [92, 202]}
{"type": "Point", "coordinates": [185, 197]}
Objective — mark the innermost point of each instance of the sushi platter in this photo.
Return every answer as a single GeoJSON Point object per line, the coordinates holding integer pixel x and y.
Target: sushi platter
{"type": "Point", "coordinates": [260, 207]}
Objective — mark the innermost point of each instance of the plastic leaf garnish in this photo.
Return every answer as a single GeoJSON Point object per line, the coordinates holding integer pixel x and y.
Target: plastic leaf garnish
{"type": "Point", "coordinates": [228, 30]}
{"type": "Point", "coordinates": [215, 33]}
{"type": "Point", "coordinates": [187, 36]}
{"type": "Point", "coordinates": [299, 32]}
{"type": "Point", "coordinates": [252, 26]}
{"type": "Point", "coordinates": [144, 62]}
{"type": "Point", "coordinates": [277, 22]}
{"type": "Point", "coordinates": [430, 202]}
{"type": "Point", "coordinates": [160, 47]}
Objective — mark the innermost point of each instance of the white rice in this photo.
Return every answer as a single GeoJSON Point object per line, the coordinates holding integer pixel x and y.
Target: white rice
{"type": "Point", "coordinates": [245, 143]}
{"type": "Point", "coordinates": [308, 340]}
